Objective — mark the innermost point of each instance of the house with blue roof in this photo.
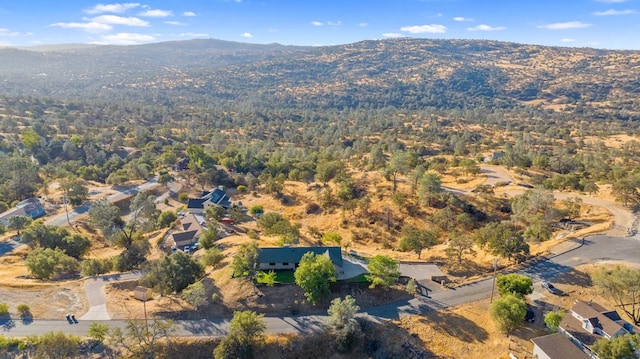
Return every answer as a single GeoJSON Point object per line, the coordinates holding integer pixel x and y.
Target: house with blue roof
{"type": "Point", "coordinates": [217, 196]}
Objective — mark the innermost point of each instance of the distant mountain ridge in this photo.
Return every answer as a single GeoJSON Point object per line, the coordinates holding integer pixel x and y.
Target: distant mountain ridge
{"type": "Point", "coordinates": [402, 72]}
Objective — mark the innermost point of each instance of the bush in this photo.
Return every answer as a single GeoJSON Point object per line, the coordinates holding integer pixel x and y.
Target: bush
{"type": "Point", "coordinates": [242, 189]}
{"type": "Point", "coordinates": [4, 308]}
{"type": "Point", "coordinates": [212, 257]}
{"type": "Point", "coordinates": [95, 266]}
{"type": "Point", "coordinates": [183, 197]}
{"type": "Point", "coordinates": [23, 310]}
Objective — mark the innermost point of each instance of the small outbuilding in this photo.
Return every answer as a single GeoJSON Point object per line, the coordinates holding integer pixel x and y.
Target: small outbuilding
{"type": "Point", "coordinates": [142, 293]}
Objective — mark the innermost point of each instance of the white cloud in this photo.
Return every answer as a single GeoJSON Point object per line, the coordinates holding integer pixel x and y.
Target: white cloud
{"type": "Point", "coordinates": [176, 23]}
{"type": "Point", "coordinates": [113, 8]}
{"type": "Point", "coordinates": [126, 38]}
{"type": "Point", "coordinates": [156, 13]}
{"type": "Point", "coordinates": [614, 12]}
{"type": "Point", "coordinates": [421, 29]}
{"type": "Point", "coordinates": [484, 27]}
{"type": "Point", "coordinates": [86, 26]}
{"type": "Point", "coordinates": [331, 23]}
{"type": "Point", "coordinates": [391, 34]}
{"type": "Point", "coordinates": [247, 35]}
{"type": "Point", "coordinates": [316, 23]}
{"type": "Point", "coordinates": [5, 44]}
{"type": "Point", "coordinates": [7, 32]}
{"type": "Point", "coordinates": [188, 13]}
{"type": "Point", "coordinates": [193, 34]}
{"type": "Point", "coordinates": [461, 19]}
{"type": "Point", "coordinates": [565, 25]}
{"type": "Point", "coordinates": [119, 20]}
{"type": "Point", "coordinates": [567, 40]}
{"type": "Point", "coordinates": [363, 24]}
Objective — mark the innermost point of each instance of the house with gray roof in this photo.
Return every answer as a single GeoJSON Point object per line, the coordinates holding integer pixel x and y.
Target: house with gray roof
{"type": "Point", "coordinates": [557, 346]}
{"type": "Point", "coordinates": [288, 258]}
{"type": "Point", "coordinates": [188, 231]}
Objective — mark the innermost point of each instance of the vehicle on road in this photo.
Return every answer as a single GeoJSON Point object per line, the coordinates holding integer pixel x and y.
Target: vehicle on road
{"type": "Point", "coordinates": [550, 288]}
{"type": "Point", "coordinates": [530, 316]}
{"type": "Point", "coordinates": [187, 250]}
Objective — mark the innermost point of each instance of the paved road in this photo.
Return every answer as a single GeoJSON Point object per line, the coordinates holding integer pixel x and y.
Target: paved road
{"type": "Point", "coordinates": [199, 327]}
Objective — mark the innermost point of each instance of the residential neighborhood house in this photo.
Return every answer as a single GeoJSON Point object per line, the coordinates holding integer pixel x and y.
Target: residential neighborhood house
{"type": "Point", "coordinates": [30, 207]}
{"type": "Point", "coordinates": [557, 346]}
{"type": "Point", "coordinates": [288, 258]}
{"type": "Point", "coordinates": [188, 231]}
{"type": "Point", "coordinates": [582, 326]}
{"type": "Point", "coordinates": [217, 196]}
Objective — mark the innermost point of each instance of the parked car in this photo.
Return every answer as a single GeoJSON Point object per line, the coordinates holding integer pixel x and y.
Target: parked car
{"type": "Point", "coordinates": [550, 288]}
{"type": "Point", "coordinates": [187, 250]}
{"type": "Point", "coordinates": [530, 316]}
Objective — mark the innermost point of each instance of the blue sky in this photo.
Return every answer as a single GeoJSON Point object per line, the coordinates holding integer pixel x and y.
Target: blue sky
{"type": "Point", "coordinates": [611, 24]}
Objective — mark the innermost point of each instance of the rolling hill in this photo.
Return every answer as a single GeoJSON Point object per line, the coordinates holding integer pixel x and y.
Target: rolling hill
{"type": "Point", "coordinates": [403, 73]}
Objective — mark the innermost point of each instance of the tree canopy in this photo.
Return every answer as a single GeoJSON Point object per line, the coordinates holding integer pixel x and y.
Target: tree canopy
{"type": "Point", "coordinates": [383, 271]}
{"type": "Point", "coordinates": [313, 275]}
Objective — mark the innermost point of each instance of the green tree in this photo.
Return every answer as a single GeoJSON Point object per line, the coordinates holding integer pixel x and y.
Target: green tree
{"type": "Point", "coordinates": [24, 310]}
{"type": "Point", "coordinates": [342, 320]}
{"type": "Point", "coordinates": [43, 263]}
{"type": "Point", "coordinates": [142, 217]}
{"type": "Point", "coordinates": [98, 331]}
{"type": "Point", "coordinates": [245, 261]}
{"type": "Point", "coordinates": [539, 229]}
{"type": "Point", "coordinates": [620, 347]}
{"type": "Point", "coordinates": [268, 278]}
{"type": "Point", "coordinates": [209, 236]}
{"type": "Point", "coordinates": [508, 312]}
{"type": "Point", "coordinates": [256, 210]}
{"type": "Point", "coordinates": [553, 319]}
{"type": "Point", "coordinates": [572, 207]}
{"type": "Point", "coordinates": [622, 285]}
{"type": "Point", "coordinates": [429, 186]}
{"type": "Point", "coordinates": [211, 257]}
{"type": "Point", "coordinates": [506, 243]}
{"type": "Point", "coordinates": [181, 270]}
{"type": "Point", "coordinates": [416, 240]}
{"type": "Point", "coordinates": [383, 271]}
{"type": "Point", "coordinates": [166, 219]}
{"type": "Point", "coordinates": [459, 245]}
{"type": "Point", "coordinates": [143, 339]}
{"type": "Point", "coordinates": [331, 238]}
{"type": "Point", "coordinates": [165, 177]}
{"type": "Point", "coordinates": [513, 283]}
{"type": "Point", "coordinates": [246, 330]}
{"type": "Point", "coordinates": [313, 275]}
{"type": "Point", "coordinates": [195, 295]}
{"type": "Point", "coordinates": [55, 345]}
{"type": "Point", "coordinates": [399, 163]}
{"type": "Point", "coordinates": [18, 223]}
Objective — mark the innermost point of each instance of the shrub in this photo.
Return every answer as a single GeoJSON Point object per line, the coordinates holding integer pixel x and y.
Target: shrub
{"type": "Point", "coordinates": [4, 308]}
{"type": "Point", "coordinates": [183, 197]}
{"type": "Point", "coordinates": [23, 310]}
{"type": "Point", "coordinates": [242, 189]}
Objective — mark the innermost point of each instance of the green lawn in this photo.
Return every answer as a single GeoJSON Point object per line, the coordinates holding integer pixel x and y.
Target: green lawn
{"type": "Point", "coordinates": [282, 276]}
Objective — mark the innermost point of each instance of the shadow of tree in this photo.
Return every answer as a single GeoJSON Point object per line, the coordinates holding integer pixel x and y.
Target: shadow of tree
{"type": "Point", "coordinates": [456, 326]}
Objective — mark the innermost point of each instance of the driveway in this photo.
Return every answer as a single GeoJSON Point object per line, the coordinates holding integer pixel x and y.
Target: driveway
{"type": "Point", "coordinates": [94, 288]}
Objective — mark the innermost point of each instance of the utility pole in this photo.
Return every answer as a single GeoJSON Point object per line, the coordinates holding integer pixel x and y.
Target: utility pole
{"type": "Point", "coordinates": [493, 286]}
{"type": "Point", "coordinates": [144, 305]}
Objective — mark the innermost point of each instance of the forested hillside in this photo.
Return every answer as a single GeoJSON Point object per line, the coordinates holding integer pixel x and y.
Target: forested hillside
{"type": "Point", "coordinates": [402, 73]}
